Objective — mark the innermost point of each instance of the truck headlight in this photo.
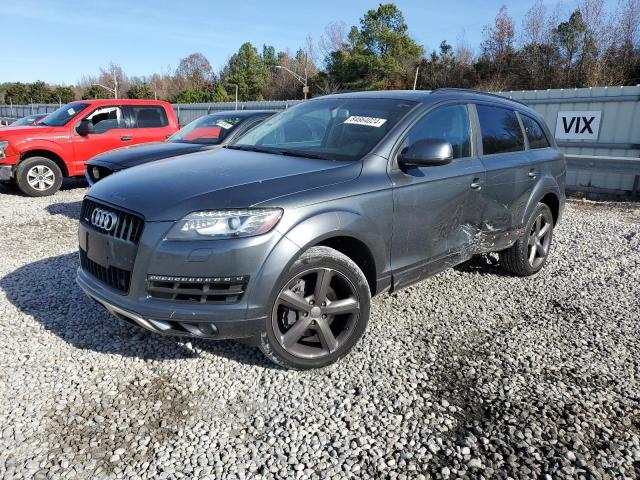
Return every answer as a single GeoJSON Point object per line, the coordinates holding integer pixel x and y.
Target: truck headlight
{"type": "Point", "coordinates": [214, 224]}
{"type": "Point", "coordinates": [3, 147]}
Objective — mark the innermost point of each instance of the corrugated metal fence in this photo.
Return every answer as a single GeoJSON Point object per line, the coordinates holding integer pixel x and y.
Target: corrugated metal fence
{"type": "Point", "coordinates": [603, 158]}
{"type": "Point", "coordinates": [598, 129]}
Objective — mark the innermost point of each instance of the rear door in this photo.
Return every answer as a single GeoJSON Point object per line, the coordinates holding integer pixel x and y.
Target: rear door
{"type": "Point", "coordinates": [507, 164]}
{"type": "Point", "coordinates": [149, 123]}
{"type": "Point", "coordinates": [110, 132]}
{"type": "Point", "coordinates": [436, 210]}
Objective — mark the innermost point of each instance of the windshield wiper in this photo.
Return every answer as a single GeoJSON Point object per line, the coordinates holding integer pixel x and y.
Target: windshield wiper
{"type": "Point", "coordinates": [250, 148]}
{"type": "Point", "coordinates": [301, 153]}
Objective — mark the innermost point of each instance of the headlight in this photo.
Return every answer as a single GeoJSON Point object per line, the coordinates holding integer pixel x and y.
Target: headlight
{"type": "Point", "coordinates": [3, 147]}
{"type": "Point", "coordinates": [212, 224]}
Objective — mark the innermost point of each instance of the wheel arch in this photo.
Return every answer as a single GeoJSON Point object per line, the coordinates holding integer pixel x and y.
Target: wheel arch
{"type": "Point", "coordinates": [54, 157]}
{"type": "Point", "coordinates": [547, 192]}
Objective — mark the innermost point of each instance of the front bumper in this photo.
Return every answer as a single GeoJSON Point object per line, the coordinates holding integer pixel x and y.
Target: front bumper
{"type": "Point", "coordinates": [6, 173]}
{"type": "Point", "coordinates": [262, 259]}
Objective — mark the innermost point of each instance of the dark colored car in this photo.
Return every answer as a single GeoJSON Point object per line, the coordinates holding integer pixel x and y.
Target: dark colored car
{"type": "Point", "coordinates": [206, 133]}
{"type": "Point", "coordinates": [29, 120]}
{"type": "Point", "coordinates": [282, 238]}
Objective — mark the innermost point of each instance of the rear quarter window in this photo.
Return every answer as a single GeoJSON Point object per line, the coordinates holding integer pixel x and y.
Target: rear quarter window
{"type": "Point", "coordinates": [535, 134]}
{"type": "Point", "coordinates": [500, 129]}
{"type": "Point", "coordinates": [149, 117]}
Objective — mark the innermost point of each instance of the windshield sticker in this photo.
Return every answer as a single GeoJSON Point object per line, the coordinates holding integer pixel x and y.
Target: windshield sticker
{"type": "Point", "coordinates": [71, 111]}
{"type": "Point", "coordinates": [223, 124]}
{"type": "Point", "coordinates": [366, 121]}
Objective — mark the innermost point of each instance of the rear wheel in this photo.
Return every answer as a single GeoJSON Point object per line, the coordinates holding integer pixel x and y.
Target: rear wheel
{"type": "Point", "coordinates": [319, 313]}
{"type": "Point", "coordinates": [38, 177]}
{"type": "Point", "coordinates": [530, 252]}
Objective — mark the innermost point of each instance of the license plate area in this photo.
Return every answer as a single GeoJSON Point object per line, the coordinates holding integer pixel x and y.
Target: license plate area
{"type": "Point", "coordinates": [105, 250]}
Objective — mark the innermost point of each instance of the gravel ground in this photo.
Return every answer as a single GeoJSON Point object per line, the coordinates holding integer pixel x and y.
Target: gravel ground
{"type": "Point", "coordinates": [469, 374]}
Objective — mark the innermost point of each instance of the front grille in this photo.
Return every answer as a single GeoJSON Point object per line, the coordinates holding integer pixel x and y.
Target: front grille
{"type": "Point", "coordinates": [128, 227]}
{"type": "Point", "coordinates": [210, 290]}
{"type": "Point", "coordinates": [114, 277]}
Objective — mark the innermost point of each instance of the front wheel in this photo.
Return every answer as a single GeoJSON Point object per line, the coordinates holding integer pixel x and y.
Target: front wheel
{"type": "Point", "coordinates": [38, 177]}
{"type": "Point", "coordinates": [319, 312]}
{"type": "Point", "coordinates": [529, 254]}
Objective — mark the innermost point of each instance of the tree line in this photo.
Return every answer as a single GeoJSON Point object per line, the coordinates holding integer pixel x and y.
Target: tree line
{"type": "Point", "coordinates": [586, 46]}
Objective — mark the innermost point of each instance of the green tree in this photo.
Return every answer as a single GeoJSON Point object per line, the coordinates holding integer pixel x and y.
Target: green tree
{"type": "Point", "coordinates": [220, 94]}
{"type": "Point", "coordinates": [246, 70]}
{"type": "Point", "coordinates": [140, 90]}
{"type": "Point", "coordinates": [379, 54]}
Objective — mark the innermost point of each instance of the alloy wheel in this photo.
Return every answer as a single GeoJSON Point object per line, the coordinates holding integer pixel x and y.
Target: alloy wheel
{"type": "Point", "coordinates": [315, 313]}
{"type": "Point", "coordinates": [41, 177]}
{"type": "Point", "coordinates": [539, 240]}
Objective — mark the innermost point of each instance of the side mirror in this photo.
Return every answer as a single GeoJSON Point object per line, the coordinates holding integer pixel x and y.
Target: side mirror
{"type": "Point", "coordinates": [84, 128]}
{"type": "Point", "coordinates": [426, 153]}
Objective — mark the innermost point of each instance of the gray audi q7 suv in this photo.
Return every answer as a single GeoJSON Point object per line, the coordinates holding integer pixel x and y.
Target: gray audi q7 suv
{"type": "Point", "coordinates": [282, 238]}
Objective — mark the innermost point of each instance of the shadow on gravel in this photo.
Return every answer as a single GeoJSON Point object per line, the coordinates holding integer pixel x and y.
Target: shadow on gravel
{"type": "Point", "coordinates": [47, 291]}
{"type": "Point", "coordinates": [483, 265]}
{"type": "Point", "coordinates": [67, 184]}
{"type": "Point", "coordinates": [68, 209]}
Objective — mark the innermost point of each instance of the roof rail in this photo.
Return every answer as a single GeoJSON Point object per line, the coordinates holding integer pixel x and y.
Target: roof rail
{"type": "Point", "coordinates": [477, 92]}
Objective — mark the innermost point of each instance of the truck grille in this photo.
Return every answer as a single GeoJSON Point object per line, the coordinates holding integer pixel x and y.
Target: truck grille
{"type": "Point", "coordinates": [114, 277]}
{"type": "Point", "coordinates": [210, 290]}
{"type": "Point", "coordinates": [128, 227]}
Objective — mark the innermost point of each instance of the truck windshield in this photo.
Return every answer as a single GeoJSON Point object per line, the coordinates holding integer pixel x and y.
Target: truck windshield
{"type": "Point", "coordinates": [332, 128]}
{"type": "Point", "coordinates": [65, 113]}
{"type": "Point", "coordinates": [207, 130]}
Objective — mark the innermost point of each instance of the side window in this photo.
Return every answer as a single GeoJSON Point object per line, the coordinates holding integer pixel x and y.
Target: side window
{"type": "Point", "coordinates": [500, 130]}
{"type": "Point", "coordinates": [447, 123]}
{"type": "Point", "coordinates": [106, 118]}
{"type": "Point", "coordinates": [535, 133]}
{"type": "Point", "coordinates": [149, 117]}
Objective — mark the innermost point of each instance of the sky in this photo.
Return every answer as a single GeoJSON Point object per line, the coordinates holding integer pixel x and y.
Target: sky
{"type": "Point", "coordinates": [59, 41]}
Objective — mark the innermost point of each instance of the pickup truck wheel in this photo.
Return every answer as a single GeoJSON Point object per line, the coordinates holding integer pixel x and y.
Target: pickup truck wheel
{"type": "Point", "coordinates": [529, 254]}
{"type": "Point", "coordinates": [38, 177]}
{"type": "Point", "coordinates": [320, 311]}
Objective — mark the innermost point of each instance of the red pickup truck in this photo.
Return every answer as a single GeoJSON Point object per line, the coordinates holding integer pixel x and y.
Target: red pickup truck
{"type": "Point", "coordinates": [37, 157]}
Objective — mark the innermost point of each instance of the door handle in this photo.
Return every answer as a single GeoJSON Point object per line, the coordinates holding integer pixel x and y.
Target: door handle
{"type": "Point", "coordinates": [533, 173]}
{"type": "Point", "coordinates": [126, 138]}
{"type": "Point", "coordinates": [476, 185]}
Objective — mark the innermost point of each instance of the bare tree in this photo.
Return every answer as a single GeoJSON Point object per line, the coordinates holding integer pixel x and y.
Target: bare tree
{"type": "Point", "coordinates": [114, 79]}
{"type": "Point", "coordinates": [195, 71]}
{"type": "Point", "coordinates": [334, 38]}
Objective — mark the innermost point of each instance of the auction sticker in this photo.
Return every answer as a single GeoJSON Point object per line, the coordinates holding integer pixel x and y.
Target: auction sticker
{"type": "Point", "coordinates": [366, 121]}
{"type": "Point", "coordinates": [223, 124]}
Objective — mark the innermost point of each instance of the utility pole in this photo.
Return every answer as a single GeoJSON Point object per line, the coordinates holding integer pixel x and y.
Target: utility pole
{"type": "Point", "coordinates": [415, 79]}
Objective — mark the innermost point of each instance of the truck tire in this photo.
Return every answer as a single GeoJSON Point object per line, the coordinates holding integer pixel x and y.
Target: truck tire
{"type": "Point", "coordinates": [320, 311]}
{"type": "Point", "coordinates": [530, 252]}
{"type": "Point", "coordinates": [38, 177]}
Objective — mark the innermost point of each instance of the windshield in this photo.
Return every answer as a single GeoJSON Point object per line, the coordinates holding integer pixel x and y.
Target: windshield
{"type": "Point", "coordinates": [208, 130]}
{"type": "Point", "coordinates": [65, 113]}
{"type": "Point", "coordinates": [26, 120]}
{"type": "Point", "coordinates": [331, 128]}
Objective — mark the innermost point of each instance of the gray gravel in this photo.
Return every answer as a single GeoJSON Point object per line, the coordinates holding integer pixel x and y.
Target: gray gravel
{"type": "Point", "coordinates": [472, 373]}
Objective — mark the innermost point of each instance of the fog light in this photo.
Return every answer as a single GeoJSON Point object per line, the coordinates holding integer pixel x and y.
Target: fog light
{"type": "Point", "coordinates": [96, 173]}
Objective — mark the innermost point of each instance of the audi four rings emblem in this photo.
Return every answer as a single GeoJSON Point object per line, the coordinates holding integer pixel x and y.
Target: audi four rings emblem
{"type": "Point", "coordinates": [104, 219]}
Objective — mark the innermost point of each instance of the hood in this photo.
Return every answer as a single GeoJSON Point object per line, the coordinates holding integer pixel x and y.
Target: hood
{"type": "Point", "coordinates": [169, 189]}
{"type": "Point", "coordinates": [128, 157]}
{"type": "Point", "coordinates": [26, 131]}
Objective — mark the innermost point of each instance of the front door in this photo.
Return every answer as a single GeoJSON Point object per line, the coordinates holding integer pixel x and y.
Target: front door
{"type": "Point", "coordinates": [437, 208]}
{"type": "Point", "coordinates": [109, 132]}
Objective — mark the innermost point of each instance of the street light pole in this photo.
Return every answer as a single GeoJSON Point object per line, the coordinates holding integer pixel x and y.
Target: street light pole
{"type": "Point", "coordinates": [110, 90]}
{"type": "Point", "coordinates": [302, 80]}
{"type": "Point", "coordinates": [415, 79]}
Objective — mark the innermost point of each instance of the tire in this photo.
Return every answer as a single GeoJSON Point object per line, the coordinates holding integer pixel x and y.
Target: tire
{"type": "Point", "coordinates": [329, 329]}
{"type": "Point", "coordinates": [38, 177]}
{"type": "Point", "coordinates": [519, 258]}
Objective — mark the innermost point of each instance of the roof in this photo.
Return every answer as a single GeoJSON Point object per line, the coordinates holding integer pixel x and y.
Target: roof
{"type": "Point", "coordinates": [430, 96]}
{"type": "Point", "coordinates": [243, 113]}
{"type": "Point", "coordinates": [122, 101]}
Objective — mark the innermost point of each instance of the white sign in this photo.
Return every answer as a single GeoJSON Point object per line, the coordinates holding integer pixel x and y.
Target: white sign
{"type": "Point", "coordinates": [366, 121]}
{"type": "Point", "coordinates": [578, 125]}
